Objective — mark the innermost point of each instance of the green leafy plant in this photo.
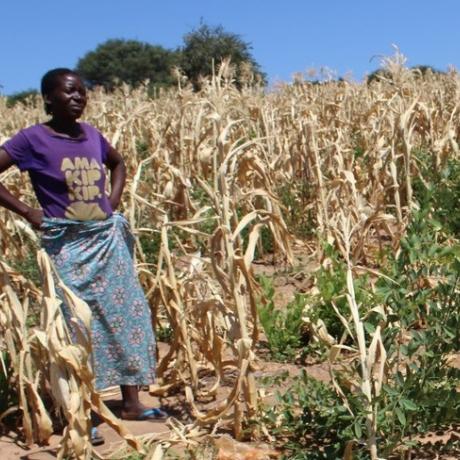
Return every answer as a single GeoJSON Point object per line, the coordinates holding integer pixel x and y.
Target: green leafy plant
{"type": "Point", "coordinates": [313, 421]}
{"type": "Point", "coordinates": [8, 391]}
{"type": "Point", "coordinates": [28, 266]}
{"type": "Point", "coordinates": [151, 244]}
{"type": "Point", "coordinates": [284, 328]}
{"type": "Point", "coordinates": [331, 284]}
{"type": "Point", "coordinates": [296, 198]}
{"type": "Point", "coordinates": [164, 333]}
{"type": "Point", "coordinates": [420, 331]}
{"type": "Point", "coordinates": [440, 191]}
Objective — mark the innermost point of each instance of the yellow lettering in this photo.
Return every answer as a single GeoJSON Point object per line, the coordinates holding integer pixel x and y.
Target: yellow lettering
{"type": "Point", "coordinates": [67, 164]}
{"type": "Point", "coordinates": [93, 191]}
{"type": "Point", "coordinates": [84, 177]}
{"type": "Point", "coordinates": [81, 163]}
{"type": "Point", "coordinates": [95, 164]}
{"type": "Point", "coordinates": [93, 176]}
{"type": "Point", "coordinates": [84, 211]}
{"type": "Point", "coordinates": [76, 194]}
{"type": "Point", "coordinates": [72, 177]}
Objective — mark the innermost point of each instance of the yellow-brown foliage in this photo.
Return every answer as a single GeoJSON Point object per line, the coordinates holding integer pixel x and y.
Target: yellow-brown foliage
{"type": "Point", "coordinates": [205, 171]}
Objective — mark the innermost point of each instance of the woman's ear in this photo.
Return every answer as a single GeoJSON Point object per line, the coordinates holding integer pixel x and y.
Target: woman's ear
{"type": "Point", "coordinates": [47, 104]}
{"type": "Point", "coordinates": [46, 99]}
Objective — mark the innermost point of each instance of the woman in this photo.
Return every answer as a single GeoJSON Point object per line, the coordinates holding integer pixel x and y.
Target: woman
{"type": "Point", "coordinates": [90, 246]}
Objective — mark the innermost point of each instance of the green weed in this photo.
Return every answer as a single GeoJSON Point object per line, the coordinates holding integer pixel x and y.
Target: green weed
{"type": "Point", "coordinates": [296, 198]}
{"type": "Point", "coordinates": [420, 332]}
{"type": "Point", "coordinates": [151, 245]}
{"type": "Point", "coordinates": [28, 266]}
{"type": "Point", "coordinates": [284, 328]}
{"type": "Point", "coordinates": [8, 390]}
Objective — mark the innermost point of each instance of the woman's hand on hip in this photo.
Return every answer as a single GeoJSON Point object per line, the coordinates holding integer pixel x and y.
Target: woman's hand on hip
{"type": "Point", "coordinates": [34, 217]}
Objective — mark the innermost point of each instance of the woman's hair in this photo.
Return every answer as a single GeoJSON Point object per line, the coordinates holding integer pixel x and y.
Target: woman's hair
{"type": "Point", "coordinates": [50, 81]}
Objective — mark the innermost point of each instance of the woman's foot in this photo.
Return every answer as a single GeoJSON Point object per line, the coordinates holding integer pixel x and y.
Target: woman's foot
{"type": "Point", "coordinates": [153, 413]}
{"type": "Point", "coordinates": [133, 409]}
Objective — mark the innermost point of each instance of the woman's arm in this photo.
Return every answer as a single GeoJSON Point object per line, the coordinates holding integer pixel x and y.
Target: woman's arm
{"type": "Point", "coordinates": [9, 201]}
{"type": "Point", "coordinates": [117, 169]}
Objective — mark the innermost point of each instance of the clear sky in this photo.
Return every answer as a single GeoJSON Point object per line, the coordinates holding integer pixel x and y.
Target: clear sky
{"type": "Point", "coordinates": [287, 36]}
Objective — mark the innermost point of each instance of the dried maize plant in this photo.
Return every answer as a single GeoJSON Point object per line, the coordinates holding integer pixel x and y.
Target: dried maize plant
{"type": "Point", "coordinates": [354, 228]}
{"type": "Point", "coordinates": [205, 169]}
{"type": "Point", "coordinates": [203, 283]}
{"type": "Point", "coordinates": [53, 372]}
{"type": "Point", "coordinates": [20, 115]}
{"type": "Point", "coordinates": [16, 341]}
{"type": "Point", "coordinates": [359, 145]}
{"type": "Point", "coordinates": [365, 368]}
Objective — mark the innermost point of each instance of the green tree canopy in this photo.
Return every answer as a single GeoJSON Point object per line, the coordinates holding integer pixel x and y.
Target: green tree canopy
{"type": "Point", "coordinates": [425, 69]}
{"type": "Point", "coordinates": [418, 70]}
{"type": "Point", "coordinates": [128, 61]}
{"type": "Point", "coordinates": [21, 97]}
{"type": "Point", "coordinates": [206, 44]}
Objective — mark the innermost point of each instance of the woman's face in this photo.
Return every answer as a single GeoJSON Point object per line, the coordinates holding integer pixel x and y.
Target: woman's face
{"type": "Point", "coordinates": [67, 100]}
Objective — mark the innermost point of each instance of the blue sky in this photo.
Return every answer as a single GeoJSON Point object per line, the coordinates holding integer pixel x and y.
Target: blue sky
{"type": "Point", "coordinates": [287, 36]}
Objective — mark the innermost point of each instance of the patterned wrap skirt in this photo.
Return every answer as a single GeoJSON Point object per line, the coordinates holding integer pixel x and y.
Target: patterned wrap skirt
{"type": "Point", "coordinates": [95, 260]}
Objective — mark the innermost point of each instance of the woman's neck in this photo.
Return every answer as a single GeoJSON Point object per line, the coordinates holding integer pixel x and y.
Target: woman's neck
{"type": "Point", "coordinates": [69, 128]}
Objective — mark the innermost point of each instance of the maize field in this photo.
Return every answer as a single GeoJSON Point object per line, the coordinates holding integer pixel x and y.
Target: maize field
{"type": "Point", "coordinates": [212, 176]}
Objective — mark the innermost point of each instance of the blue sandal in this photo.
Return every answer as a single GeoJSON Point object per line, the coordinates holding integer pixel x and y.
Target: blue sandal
{"type": "Point", "coordinates": [149, 414]}
{"type": "Point", "coordinates": [96, 438]}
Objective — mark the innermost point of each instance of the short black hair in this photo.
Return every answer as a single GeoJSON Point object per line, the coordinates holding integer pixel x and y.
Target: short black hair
{"type": "Point", "coordinates": [50, 81]}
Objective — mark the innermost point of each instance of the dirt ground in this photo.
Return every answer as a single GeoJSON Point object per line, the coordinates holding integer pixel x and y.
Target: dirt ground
{"type": "Point", "coordinates": [12, 448]}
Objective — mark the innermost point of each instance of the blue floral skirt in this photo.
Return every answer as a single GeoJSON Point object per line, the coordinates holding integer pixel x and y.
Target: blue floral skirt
{"type": "Point", "coordinates": [95, 260]}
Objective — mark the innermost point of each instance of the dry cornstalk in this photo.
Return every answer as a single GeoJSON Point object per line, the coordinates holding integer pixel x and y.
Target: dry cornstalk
{"type": "Point", "coordinates": [208, 172]}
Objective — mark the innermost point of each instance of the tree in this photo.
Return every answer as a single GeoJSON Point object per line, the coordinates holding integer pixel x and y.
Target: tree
{"type": "Point", "coordinates": [378, 75]}
{"type": "Point", "coordinates": [206, 45]}
{"type": "Point", "coordinates": [22, 97]}
{"type": "Point", "coordinates": [423, 70]}
{"type": "Point", "coordinates": [418, 71]}
{"type": "Point", "coordinates": [128, 61]}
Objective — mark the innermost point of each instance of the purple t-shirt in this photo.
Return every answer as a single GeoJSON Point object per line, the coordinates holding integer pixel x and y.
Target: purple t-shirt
{"type": "Point", "coordinates": [67, 174]}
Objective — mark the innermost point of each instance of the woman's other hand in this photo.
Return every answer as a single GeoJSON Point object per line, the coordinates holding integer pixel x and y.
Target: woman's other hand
{"type": "Point", "coordinates": [9, 201]}
{"type": "Point", "coordinates": [117, 169]}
